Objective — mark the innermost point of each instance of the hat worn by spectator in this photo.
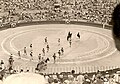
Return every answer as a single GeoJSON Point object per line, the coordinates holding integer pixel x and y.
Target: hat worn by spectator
{"type": "Point", "coordinates": [25, 78]}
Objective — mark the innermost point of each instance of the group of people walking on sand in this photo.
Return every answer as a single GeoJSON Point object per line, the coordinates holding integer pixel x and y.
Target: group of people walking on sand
{"type": "Point", "coordinates": [45, 50]}
{"type": "Point", "coordinates": [42, 57]}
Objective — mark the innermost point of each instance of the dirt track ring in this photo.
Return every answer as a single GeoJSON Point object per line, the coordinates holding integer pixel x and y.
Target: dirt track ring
{"type": "Point", "coordinates": [105, 50]}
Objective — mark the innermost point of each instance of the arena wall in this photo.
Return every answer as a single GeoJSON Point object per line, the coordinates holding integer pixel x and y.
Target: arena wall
{"type": "Point", "coordinates": [63, 22]}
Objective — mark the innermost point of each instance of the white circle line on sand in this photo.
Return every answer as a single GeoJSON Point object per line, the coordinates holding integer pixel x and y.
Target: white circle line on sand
{"type": "Point", "coordinates": [89, 60]}
{"type": "Point", "coordinates": [17, 35]}
{"type": "Point", "coordinates": [17, 57]}
{"type": "Point", "coordinates": [35, 29]}
{"type": "Point", "coordinates": [8, 53]}
{"type": "Point", "coordinates": [96, 53]}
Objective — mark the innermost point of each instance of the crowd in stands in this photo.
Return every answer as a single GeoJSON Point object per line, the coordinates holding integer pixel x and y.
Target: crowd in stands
{"type": "Point", "coordinates": [98, 11]}
{"type": "Point", "coordinates": [99, 77]}
{"type": "Point", "coordinates": [15, 11]}
{"type": "Point", "coordinates": [111, 76]}
{"type": "Point", "coordinates": [83, 78]}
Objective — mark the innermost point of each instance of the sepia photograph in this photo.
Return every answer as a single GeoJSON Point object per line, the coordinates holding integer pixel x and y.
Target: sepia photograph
{"type": "Point", "coordinates": [59, 41]}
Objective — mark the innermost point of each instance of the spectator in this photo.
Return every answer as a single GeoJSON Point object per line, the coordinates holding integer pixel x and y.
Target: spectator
{"type": "Point", "coordinates": [25, 78]}
{"type": "Point", "coordinates": [116, 26]}
{"type": "Point", "coordinates": [80, 79]}
{"type": "Point", "coordinates": [2, 65]}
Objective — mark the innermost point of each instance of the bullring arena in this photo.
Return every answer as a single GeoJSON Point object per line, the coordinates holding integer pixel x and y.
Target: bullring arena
{"type": "Point", "coordinates": [59, 42]}
{"type": "Point", "coordinates": [94, 51]}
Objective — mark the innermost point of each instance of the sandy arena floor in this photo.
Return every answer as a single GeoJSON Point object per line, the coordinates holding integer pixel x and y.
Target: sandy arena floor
{"type": "Point", "coordinates": [95, 50]}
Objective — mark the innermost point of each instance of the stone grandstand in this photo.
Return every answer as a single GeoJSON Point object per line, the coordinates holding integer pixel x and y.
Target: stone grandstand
{"type": "Point", "coordinates": [16, 13]}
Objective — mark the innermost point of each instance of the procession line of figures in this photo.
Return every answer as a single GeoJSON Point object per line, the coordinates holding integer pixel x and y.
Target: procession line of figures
{"type": "Point", "coordinates": [41, 57]}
